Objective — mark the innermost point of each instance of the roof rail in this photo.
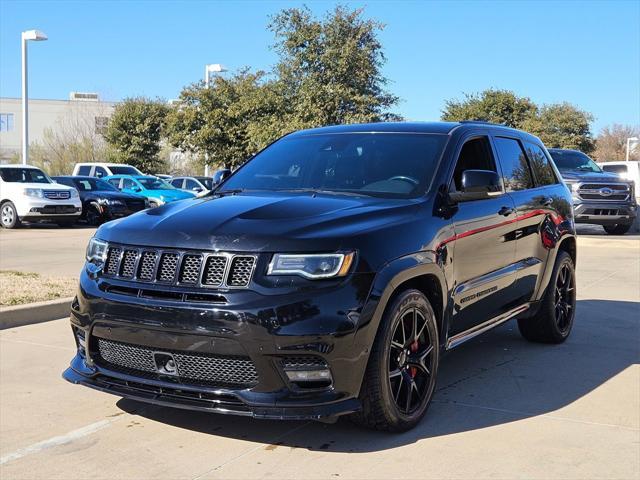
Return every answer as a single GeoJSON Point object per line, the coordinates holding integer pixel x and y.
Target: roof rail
{"type": "Point", "coordinates": [484, 122]}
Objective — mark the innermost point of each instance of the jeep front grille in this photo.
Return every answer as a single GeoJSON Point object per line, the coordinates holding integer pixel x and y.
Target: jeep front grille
{"type": "Point", "coordinates": [191, 367]}
{"type": "Point", "coordinates": [198, 269]}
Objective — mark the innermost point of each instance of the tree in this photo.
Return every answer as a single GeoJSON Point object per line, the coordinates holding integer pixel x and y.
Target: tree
{"type": "Point", "coordinates": [134, 133]}
{"type": "Point", "coordinates": [611, 143]}
{"type": "Point", "coordinates": [329, 70]}
{"type": "Point", "coordinates": [562, 125]}
{"type": "Point", "coordinates": [496, 106]}
{"type": "Point", "coordinates": [229, 121]}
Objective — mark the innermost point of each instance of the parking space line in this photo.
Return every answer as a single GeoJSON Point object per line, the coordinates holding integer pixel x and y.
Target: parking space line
{"type": "Point", "coordinates": [56, 441]}
{"type": "Point", "coordinates": [68, 349]}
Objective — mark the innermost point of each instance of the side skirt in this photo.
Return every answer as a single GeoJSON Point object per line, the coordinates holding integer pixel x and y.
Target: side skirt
{"type": "Point", "coordinates": [483, 327]}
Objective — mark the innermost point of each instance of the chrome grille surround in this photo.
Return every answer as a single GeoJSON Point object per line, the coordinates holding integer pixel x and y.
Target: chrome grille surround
{"type": "Point", "coordinates": [192, 367]}
{"type": "Point", "coordinates": [175, 267]}
{"type": "Point", "coordinates": [593, 191]}
{"type": "Point", "coordinates": [57, 194]}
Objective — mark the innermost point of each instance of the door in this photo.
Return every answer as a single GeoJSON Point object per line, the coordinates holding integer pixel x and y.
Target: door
{"type": "Point", "coordinates": [484, 248]}
{"type": "Point", "coordinates": [539, 198]}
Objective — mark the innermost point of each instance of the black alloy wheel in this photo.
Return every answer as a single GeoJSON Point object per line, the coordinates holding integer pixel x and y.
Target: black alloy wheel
{"type": "Point", "coordinates": [564, 297]}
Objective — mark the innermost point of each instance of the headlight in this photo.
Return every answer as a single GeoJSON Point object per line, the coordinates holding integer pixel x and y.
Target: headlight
{"type": "Point", "coordinates": [311, 266]}
{"type": "Point", "coordinates": [573, 187]}
{"type": "Point", "coordinates": [97, 251]}
{"type": "Point", "coordinates": [115, 202]}
{"type": "Point", "coordinates": [34, 192]}
{"type": "Point", "coordinates": [74, 193]}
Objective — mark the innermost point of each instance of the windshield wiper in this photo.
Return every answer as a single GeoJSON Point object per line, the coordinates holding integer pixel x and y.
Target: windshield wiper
{"type": "Point", "coordinates": [232, 191]}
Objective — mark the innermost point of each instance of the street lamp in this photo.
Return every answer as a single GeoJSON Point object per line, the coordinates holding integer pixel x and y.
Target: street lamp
{"type": "Point", "coordinates": [208, 70]}
{"type": "Point", "coordinates": [629, 140]}
{"type": "Point", "coordinates": [36, 36]}
{"type": "Point", "coordinates": [212, 68]}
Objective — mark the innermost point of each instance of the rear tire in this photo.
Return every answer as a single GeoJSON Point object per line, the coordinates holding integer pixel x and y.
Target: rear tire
{"type": "Point", "coordinates": [9, 215]}
{"type": "Point", "coordinates": [619, 229]}
{"type": "Point", "coordinates": [401, 374]}
{"type": "Point", "coordinates": [554, 319]}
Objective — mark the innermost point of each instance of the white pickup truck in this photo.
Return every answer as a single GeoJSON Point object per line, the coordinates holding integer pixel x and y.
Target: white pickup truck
{"type": "Point", "coordinates": [28, 194]}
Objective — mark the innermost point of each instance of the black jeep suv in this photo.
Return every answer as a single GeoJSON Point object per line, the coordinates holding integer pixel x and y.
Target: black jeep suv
{"type": "Point", "coordinates": [329, 273]}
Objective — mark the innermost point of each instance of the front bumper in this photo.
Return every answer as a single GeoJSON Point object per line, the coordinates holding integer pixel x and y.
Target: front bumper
{"type": "Point", "coordinates": [29, 208]}
{"type": "Point", "coordinates": [605, 213]}
{"type": "Point", "coordinates": [267, 329]}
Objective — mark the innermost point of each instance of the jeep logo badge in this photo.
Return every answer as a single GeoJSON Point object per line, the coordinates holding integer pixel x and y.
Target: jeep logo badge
{"type": "Point", "coordinates": [165, 363]}
{"type": "Point", "coordinates": [606, 192]}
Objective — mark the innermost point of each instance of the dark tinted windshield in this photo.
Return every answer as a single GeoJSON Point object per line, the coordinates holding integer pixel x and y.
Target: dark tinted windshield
{"type": "Point", "coordinates": [381, 164]}
{"type": "Point", "coordinates": [153, 183]}
{"type": "Point", "coordinates": [123, 170]}
{"type": "Point", "coordinates": [24, 175]}
{"type": "Point", "coordinates": [91, 184]}
{"type": "Point", "coordinates": [206, 181]}
{"type": "Point", "coordinates": [568, 160]}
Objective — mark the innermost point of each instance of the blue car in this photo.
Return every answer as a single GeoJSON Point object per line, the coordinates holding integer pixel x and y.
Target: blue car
{"type": "Point", "coordinates": [157, 191]}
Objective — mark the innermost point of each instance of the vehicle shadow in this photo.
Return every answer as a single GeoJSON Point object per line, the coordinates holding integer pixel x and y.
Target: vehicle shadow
{"type": "Point", "coordinates": [495, 379]}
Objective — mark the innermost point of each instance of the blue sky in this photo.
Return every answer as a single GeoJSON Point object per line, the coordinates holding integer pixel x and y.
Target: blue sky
{"type": "Point", "coordinates": [587, 53]}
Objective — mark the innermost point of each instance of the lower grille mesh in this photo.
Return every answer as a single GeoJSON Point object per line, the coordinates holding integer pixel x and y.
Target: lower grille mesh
{"type": "Point", "coordinates": [192, 367]}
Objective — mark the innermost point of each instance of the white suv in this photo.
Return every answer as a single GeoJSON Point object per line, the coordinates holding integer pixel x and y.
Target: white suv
{"type": "Point", "coordinates": [97, 169]}
{"type": "Point", "coordinates": [28, 194]}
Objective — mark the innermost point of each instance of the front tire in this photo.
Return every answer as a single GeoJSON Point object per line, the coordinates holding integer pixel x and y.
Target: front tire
{"type": "Point", "coordinates": [554, 320]}
{"type": "Point", "coordinates": [9, 216]}
{"type": "Point", "coordinates": [93, 215]}
{"type": "Point", "coordinates": [619, 229]}
{"type": "Point", "coordinates": [401, 374]}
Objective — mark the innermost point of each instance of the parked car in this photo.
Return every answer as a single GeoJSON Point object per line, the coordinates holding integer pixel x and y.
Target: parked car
{"type": "Point", "coordinates": [629, 171]}
{"type": "Point", "coordinates": [101, 201]}
{"type": "Point", "coordinates": [198, 185]}
{"type": "Point", "coordinates": [599, 197]}
{"type": "Point", "coordinates": [328, 274]}
{"type": "Point", "coordinates": [27, 194]}
{"type": "Point", "coordinates": [156, 191]}
{"type": "Point", "coordinates": [100, 170]}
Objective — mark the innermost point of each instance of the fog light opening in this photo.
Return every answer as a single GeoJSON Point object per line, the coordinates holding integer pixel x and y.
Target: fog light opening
{"type": "Point", "coordinates": [82, 342]}
{"type": "Point", "coordinates": [318, 378]}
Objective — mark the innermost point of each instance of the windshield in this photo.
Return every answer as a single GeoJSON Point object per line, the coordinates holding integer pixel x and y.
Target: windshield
{"type": "Point", "coordinates": [124, 170]}
{"type": "Point", "coordinates": [382, 164]}
{"type": "Point", "coordinates": [206, 181]}
{"type": "Point", "coordinates": [91, 184]}
{"type": "Point", "coordinates": [153, 183]}
{"type": "Point", "coordinates": [568, 160]}
{"type": "Point", "coordinates": [24, 175]}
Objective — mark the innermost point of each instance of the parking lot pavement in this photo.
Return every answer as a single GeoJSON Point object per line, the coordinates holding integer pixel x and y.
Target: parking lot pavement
{"type": "Point", "coordinates": [44, 249]}
{"type": "Point", "coordinates": [503, 408]}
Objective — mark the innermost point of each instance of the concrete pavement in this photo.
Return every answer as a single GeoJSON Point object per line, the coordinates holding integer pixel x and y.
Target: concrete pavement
{"type": "Point", "coordinates": [504, 408]}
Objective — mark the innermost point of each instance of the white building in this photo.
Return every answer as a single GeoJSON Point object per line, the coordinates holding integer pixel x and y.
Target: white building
{"type": "Point", "coordinates": [82, 111]}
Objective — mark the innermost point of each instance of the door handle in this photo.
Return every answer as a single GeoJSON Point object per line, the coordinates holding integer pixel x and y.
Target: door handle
{"type": "Point", "coordinates": [546, 201]}
{"type": "Point", "coordinates": [505, 211]}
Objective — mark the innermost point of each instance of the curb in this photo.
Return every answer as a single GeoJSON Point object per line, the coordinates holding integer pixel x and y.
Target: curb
{"type": "Point", "coordinates": [37, 312]}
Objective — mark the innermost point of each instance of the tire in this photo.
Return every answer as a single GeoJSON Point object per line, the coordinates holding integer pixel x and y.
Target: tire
{"type": "Point", "coordinates": [93, 215]}
{"type": "Point", "coordinates": [619, 229]}
{"type": "Point", "coordinates": [9, 215]}
{"type": "Point", "coordinates": [401, 374]}
{"type": "Point", "coordinates": [554, 319]}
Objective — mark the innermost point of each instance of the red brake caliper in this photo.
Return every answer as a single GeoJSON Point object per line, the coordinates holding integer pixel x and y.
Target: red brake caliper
{"type": "Point", "coordinates": [414, 348]}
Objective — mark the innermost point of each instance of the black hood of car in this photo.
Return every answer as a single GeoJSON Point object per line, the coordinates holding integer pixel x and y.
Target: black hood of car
{"type": "Point", "coordinates": [578, 176]}
{"type": "Point", "coordinates": [260, 222]}
{"type": "Point", "coordinates": [106, 194]}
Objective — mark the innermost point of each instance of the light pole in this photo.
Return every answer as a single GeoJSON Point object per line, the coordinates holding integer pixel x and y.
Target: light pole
{"type": "Point", "coordinates": [36, 36]}
{"type": "Point", "coordinates": [208, 70]}
{"type": "Point", "coordinates": [629, 140]}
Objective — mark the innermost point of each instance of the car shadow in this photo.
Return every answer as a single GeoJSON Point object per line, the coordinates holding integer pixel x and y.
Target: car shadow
{"type": "Point", "coordinates": [494, 379]}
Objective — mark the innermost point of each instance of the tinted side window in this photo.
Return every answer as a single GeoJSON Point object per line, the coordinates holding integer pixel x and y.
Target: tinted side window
{"type": "Point", "coordinates": [127, 183]}
{"type": "Point", "coordinates": [542, 171]}
{"type": "Point", "coordinates": [115, 182]}
{"type": "Point", "coordinates": [84, 170]}
{"type": "Point", "coordinates": [474, 155]}
{"type": "Point", "coordinates": [190, 185]}
{"type": "Point", "coordinates": [515, 168]}
{"type": "Point", "coordinates": [177, 183]}
{"type": "Point", "coordinates": [100, 172]}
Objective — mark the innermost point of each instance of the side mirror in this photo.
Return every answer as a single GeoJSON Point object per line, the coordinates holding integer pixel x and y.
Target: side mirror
{"type": "Point", "coordinates": [477, 185]}
{"type": "Point", "coordinates": [220, 176]}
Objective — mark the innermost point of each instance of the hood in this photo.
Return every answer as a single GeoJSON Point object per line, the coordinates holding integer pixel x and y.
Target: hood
{"type": "Point", "coordinates": [169, 194]}
{"type": "Point", "coordinates": [578, 176]}
{"type": "Point", "coordinates": [44, 186]}
{"type": "Point", "coordinates": [261, 222]}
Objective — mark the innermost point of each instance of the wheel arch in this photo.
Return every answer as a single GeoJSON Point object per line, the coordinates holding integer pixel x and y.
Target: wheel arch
{"type": "Point", "coordinates": [567, 244]}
